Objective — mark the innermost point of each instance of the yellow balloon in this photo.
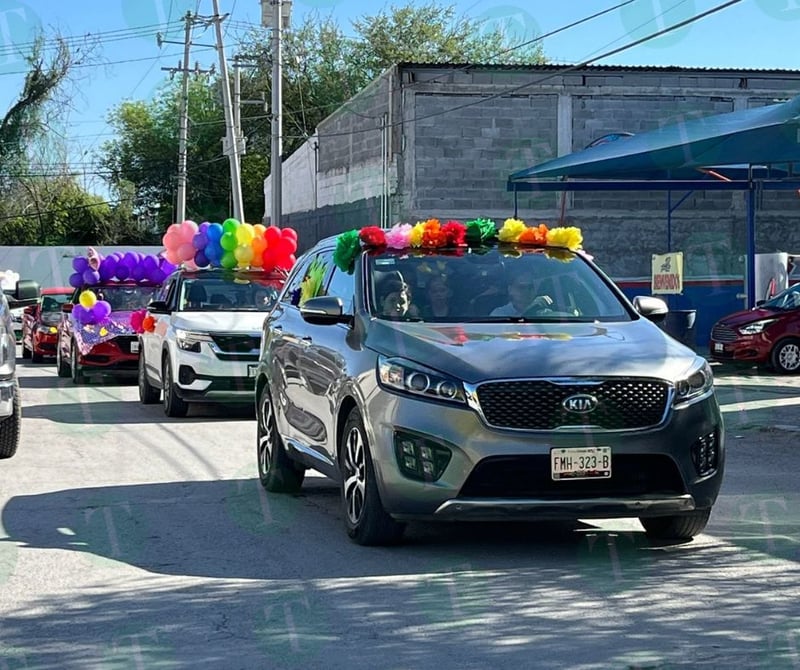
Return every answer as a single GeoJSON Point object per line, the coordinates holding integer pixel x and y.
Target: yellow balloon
{"type": "Point", "coordinates": [243, 254]}
{"type": "Point", "coordinates": [88, 299]}
{"type": "Point", "coordinates": [245, 233]}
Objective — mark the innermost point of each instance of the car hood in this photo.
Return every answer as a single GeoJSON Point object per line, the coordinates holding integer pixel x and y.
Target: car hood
{"type": "Point", "coordinates": [480, 351]}
{"type": "Point", "coordinates": [219, 322]}
{"type": "Point", "coordinates": [50, 318]}
{"type": "Point", "coordinates": [748, 316]}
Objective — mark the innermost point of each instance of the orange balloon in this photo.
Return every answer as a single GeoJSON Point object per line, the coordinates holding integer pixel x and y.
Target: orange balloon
{"type": "Point", "coordinates": [149, 323]}
{"type": "Point", "coordinates": [258, 244]}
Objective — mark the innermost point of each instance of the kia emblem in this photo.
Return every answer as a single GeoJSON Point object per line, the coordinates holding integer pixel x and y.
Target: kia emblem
{"type": "Point", "coordinates": [580, 403]}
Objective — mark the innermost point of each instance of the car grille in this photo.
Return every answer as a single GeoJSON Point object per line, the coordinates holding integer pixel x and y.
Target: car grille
{"type": "Point", "coordinates": [720, 333]}
{"type": "Point", "coordinates": [529, 477]}
{"type": "Point", "coordinates": [124, 343]}
{"type": "Point", "coordinates": [622, 404]}
{"type": "Point", "coordinates": [237, 347]}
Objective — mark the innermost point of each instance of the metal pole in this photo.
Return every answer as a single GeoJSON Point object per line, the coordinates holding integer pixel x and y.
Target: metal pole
{"type": "Point", "coordinates": [277, 102]}
{"type": "Point", "coordinates": [183, 132]}
{"type": "Point", "coordinates": [230, 132]}
{"type": "Point", "coordinates": [237, 99]}
{"type": "Point", "coordinates": [750, 271]}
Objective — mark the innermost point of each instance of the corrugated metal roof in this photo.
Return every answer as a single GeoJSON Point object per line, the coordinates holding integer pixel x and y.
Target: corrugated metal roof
{"type": "Point", "coordinates": [550, 67]}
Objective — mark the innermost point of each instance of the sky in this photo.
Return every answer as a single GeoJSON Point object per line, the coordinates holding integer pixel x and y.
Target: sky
{"type": "Point", "coordinates": [127, 62]}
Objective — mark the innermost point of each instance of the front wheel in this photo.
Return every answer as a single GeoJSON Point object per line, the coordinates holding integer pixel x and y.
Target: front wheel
{"type": "Point", "coordinates": [365, 518]}
{"type": "Point", "coordinates": [785, 356]}
{"type": "Point", "coordinates": [148, 394]}
{"type": "Point", "coordinates": [276, 470]}
{"type": "Point", "coordinates": [26, 353]}
{"type": "Point", "coordinates": [9, 427]}
{"type": "Point", "coordinates": [676, 527]}
{"type": "Point", "coordinates": [61, 365]}
{"type": "Point", "coordinates": [173, 405]}
{"type": "Point", "coordinates": [75, 368]}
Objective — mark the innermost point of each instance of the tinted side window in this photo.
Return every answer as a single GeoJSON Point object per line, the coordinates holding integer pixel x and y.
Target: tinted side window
{"type": "Point", "coordinates": [291, 294]}
{"type": "Point", "coordinates": [342, 285]}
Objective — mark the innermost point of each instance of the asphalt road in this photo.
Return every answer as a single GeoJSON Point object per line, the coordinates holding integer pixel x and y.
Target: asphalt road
{"type": "Point", "coordinates": [129, 540]}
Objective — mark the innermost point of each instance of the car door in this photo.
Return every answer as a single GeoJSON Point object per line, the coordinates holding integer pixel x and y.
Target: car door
{"type": "Point", "coordinates": [152, 341]}
{"type": "Point", "coordinates": [283, 347]}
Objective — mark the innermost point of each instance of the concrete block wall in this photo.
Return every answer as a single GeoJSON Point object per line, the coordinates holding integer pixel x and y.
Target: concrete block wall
{"type": "Point", "coordinates": [464, 131]}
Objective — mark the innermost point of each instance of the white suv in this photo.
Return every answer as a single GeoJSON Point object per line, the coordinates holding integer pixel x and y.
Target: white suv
{"type": "Point", "coordinates": [204, 342]}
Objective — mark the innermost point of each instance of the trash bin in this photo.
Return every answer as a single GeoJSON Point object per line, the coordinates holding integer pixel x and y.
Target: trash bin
{"type": "Point", "coordinates": [680, 324]}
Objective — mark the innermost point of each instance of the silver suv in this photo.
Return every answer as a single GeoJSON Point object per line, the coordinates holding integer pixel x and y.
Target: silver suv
{"type": "Point", "coordinates": [26, 293]}
{"type": "Point", "coordinates": [204, 339]}
{"type": "Point", "coordinates": [483, 382]}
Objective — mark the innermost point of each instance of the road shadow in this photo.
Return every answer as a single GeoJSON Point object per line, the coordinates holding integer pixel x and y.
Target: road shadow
{"type": "Point", "coordinates": [112, 412]}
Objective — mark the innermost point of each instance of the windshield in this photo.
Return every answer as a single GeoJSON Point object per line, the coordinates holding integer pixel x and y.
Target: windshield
{"type": "Point", "coordinates": [125, 297]}
{"type": "Point", "coordinates": [51, 303]}
{"type": "Point", "coordinates": [490, 285]}
{"type": "Point", "coordinates": [788, 299]}
{"type": "Point", "coordinates": [207, 294]}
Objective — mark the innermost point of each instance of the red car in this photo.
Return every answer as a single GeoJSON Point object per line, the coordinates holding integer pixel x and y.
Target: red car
{"type": "Point", "coordinates": [767, 335]}
{"type": "Point", "coordinates": [40, 324]}
{"type": "Point", "coordinates": [111, 346]}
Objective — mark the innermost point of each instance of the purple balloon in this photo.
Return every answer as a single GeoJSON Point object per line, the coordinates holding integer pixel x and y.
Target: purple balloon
{"type": "Point", "coordinates": [157, 276]}
{"type": "Point", "coordinates": [138, 273]}
{"type": "Point", "coordinates": [200, 259]}
{"type": "Point", "coordinates": [166, 267]}
{"type": "Point", "coordinates": [123, 272]}
{"type": "Point", "coordinates": [90, 276]}
{"type": "Point", "coordinates": [100, 310]}
{"type": "Point", "coordinates": [199, 241]}
{"type": "Point", "coordinates": [129, 260]}
{"type": "Point", "coordinates": [76, 280]}
{"type": "Point", "coordinates": [108, 268]}
{"type": "Point", "coordinates": [80, 263]}
{"type": "Point", "coordinates": [81, 314]}
{"type": "Point", "coordinates": [149, 263]}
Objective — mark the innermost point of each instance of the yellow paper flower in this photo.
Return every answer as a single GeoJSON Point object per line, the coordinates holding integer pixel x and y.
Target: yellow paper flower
{"type": "Point", "coordinates": [568, 237]}
{"type": "Point", "coordinates": [511, 230]}
{"type": "Point", "coordinates": [103, 332]}
{"type": "Point", "coordinates": [417, 233]}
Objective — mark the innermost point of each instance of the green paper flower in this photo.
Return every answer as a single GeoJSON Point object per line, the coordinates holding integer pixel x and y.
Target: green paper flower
{"type": "Point", "coordinates": [480, 231]}
{"type": "Point", "coordinates": [347, 247]}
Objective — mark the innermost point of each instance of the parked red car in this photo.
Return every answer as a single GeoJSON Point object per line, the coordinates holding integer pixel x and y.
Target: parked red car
{"type": "Point", "coordinates": [108, 347]}
{"type": "Point", "coordinates": [768, 334]}
{"type": "Point", "coordinates": [40, 323]}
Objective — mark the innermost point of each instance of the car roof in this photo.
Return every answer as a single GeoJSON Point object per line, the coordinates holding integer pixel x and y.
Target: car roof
{"type": "Point", "coordinates": [57, 290]}
{"type": "Point", "coordinates": [235, 273]}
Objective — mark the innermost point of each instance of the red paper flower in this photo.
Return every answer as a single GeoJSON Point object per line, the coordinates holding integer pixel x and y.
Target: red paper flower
{"type": "Point", "coordinates": [372, 236]}
{"type": "Point", "coordinates": [455, 232]}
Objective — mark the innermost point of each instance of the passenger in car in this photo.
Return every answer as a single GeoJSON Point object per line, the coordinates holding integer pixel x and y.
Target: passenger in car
{"type": "Point", "coordinates": [438, 294]}
{"type": "Point", "coordinates": [521, 299]}
{"type": "Point", "coordinates": [394, 298]}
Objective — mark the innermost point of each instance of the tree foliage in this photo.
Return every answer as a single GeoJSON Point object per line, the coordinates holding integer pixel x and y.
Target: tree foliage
{"type": "Point", "coordinates": [322, 69]}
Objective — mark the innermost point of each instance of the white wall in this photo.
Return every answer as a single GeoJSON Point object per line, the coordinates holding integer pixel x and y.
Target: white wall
{"type": "Point", "coordinates": [52, 266]}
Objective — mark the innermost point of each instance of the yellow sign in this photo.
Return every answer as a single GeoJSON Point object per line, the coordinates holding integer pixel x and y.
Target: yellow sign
{"type": "Point", "coordinates": [667, 273]}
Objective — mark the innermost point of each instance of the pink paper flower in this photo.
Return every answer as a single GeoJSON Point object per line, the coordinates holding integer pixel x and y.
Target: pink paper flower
{"type": "Point", "coordinates": [399, 236]}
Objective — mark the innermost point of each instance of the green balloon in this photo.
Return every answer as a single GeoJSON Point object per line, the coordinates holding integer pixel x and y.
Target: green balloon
{"type": "Point", "coordinates": [230, 225]}
{"type": "Point", "coordinates": [228, 260]}
{"type": "Point", "coordinates": [228, 241]}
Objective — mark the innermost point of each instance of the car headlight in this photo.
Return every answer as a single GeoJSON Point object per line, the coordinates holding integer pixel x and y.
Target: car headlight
{"type": "Point", "coordinates": [189, 340]}
{"type": "Point", "coordinates": [399, 374]}
{"type": "Point", "coordinates": [697, 383]}
{"type": "Point", "coordinates": [756, 327]}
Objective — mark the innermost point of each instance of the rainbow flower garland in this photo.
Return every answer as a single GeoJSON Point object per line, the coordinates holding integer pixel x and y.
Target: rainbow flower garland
{"type": "Point", "coordinates": [432, 234]}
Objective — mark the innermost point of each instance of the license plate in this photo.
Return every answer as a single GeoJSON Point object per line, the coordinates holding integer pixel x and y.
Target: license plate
{"type": "Point", "coordinates": [718, 346]}
{"type": "Point", "coordinates": [251, 370]}
{"type": "Point", "coordinates": [135, 347]}
{"type": "Point", "coordinates": [580, 463]}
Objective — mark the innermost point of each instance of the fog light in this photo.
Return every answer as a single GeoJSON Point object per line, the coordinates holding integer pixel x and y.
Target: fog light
{"type": "Point", "coordinates": [705, 454]}
{"type": "Point", "coordinates": [421, 458]}
{"type": "Point", "coordinates": [186, 375]}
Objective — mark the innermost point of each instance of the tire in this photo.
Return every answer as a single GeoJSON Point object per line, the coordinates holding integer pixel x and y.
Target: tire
{"type": "Point", "coordinates": [173, 405]}
{"type": "Point", "coordinates": [26, 353]}
{"type": "Point", "coordinates": [148, 394]}
{"type": "Point", "coordinates": [785, 357]}
{"type": "Point", "coordinates": [9, 427]}
{"type": "Point", "coordinates": [365, 518]}
{"type": "Point", "coordinates": [62, 368]}
{"type": "Point", "coordinates": [74, 368]}
{"type": "Point", "coordinates": [35, 358]}
{"type": "Point", "coordinates": [277, 472]}
{"type": "Point", "coordinates": [677, 527]}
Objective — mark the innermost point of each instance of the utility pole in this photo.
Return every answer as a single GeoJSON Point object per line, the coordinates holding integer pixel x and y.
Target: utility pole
{"type": "Point", "coordinates": [183, 129]}
{"type": "Point", "coordinates": [231, 141]}
{"type": "Point", "coordinates": [281, 14]}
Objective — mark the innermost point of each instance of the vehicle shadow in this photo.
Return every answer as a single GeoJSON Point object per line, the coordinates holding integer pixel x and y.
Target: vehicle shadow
{"type": "Point", "coordinates": [115, 411]}
{"type": "Point", "coordinates": [304, 594]}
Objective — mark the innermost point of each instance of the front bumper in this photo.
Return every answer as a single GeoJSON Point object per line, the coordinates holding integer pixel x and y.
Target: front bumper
{"type": "Point", "coordinates": [6, 398]}
{"type": "Point", "coordinates": [504, 474]}
{"type": "Point", "coordinates": [750, 349]}
{"type": "Point", "coordinates": [203, 378]}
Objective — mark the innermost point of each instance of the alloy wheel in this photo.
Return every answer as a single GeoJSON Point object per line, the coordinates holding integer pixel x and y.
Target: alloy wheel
{"type": "Point", "coordinates": [355, 467]}
{"type": "Point", "coordinates": [266, 435]}
{"type": "Point", "coordinates": [789, 357]}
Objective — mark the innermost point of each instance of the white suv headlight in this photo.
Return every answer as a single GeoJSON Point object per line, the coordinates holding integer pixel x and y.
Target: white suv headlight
{"type": "Point", "coordinates": [189, 340]}
{"type": "Point", "coordinates": [698, 382]}
{"type": "Point", "coordinates": [399, 374]}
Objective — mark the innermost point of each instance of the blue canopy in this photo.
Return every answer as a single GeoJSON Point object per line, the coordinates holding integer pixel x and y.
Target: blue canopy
{"type": "Point", "coordinates": [765, 136]}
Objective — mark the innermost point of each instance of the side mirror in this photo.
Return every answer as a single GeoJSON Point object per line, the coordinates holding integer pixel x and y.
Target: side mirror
{"type": "Point", "coordinates": [158, 307]}
{"type": "Point", "coordinates": [27, 292]}
{"type": "Point", "coordinates": [30, 310]}
{"type": "Point", "coordinates": [66, 308]}
{"type": "Point", "coordinates": [651, 307]}
{"type": "Point", "coordinates": [324, 311]}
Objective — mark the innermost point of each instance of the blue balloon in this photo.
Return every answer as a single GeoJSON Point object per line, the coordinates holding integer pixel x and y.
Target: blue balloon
{"type": "Point", "coordinates": [214, 232]}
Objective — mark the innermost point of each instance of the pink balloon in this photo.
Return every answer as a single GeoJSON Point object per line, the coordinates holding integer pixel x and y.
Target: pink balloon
{"type": "Point", "coordinates": [172, 257]}
{"type": "Point", "coordinates": [171, 240]}
{"type": "Point", "coordinates": [186, 251]}
{"type": "Point", "coordinates": [188, 231]}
